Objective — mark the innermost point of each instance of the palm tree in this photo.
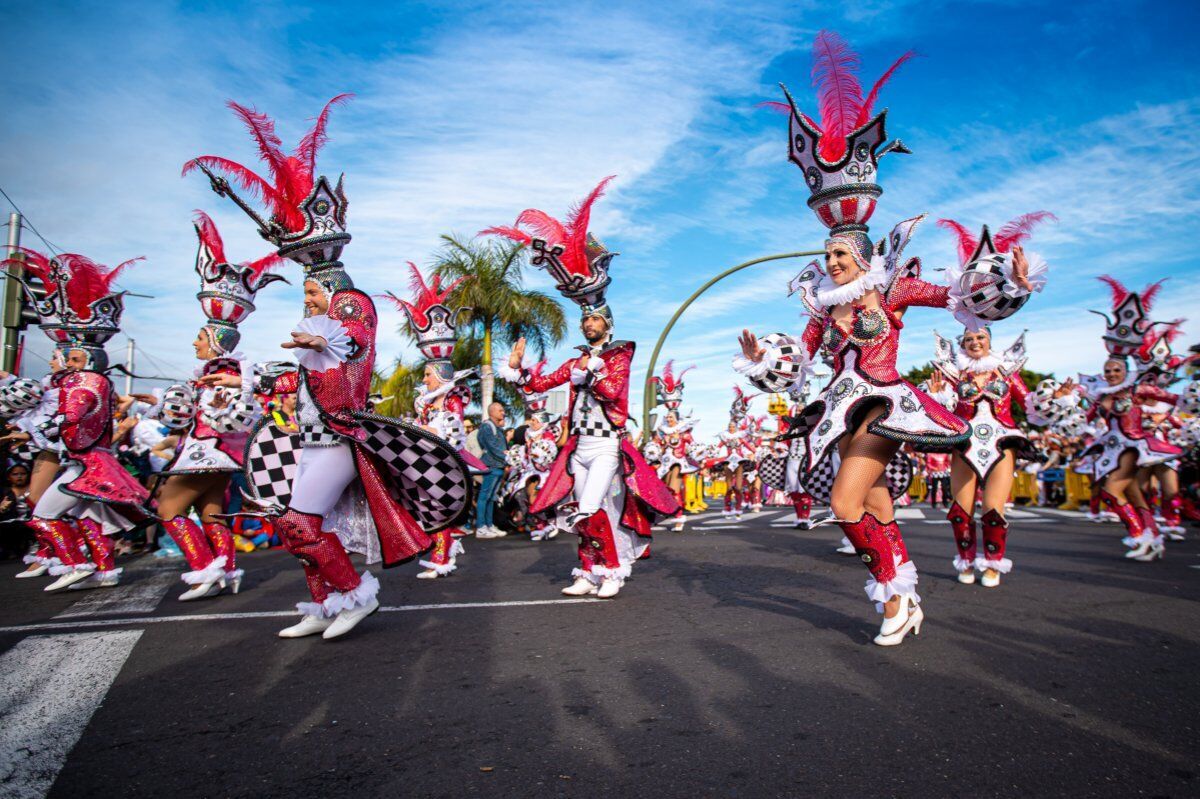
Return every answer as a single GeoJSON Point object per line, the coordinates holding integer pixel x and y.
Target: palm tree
{"type": "Point", "coordinates": [502, 309]}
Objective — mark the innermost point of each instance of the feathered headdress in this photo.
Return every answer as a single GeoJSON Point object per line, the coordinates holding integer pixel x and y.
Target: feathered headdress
{"type": "Point", "coordinates": [839, 155]}
{"type": "Point", "coordinates": [227, 290]}
{"type": "Point", "coordinates": [669, 386]}
{"type": "Point", "coordinates": [1125, 332]}
{"type": "Point", "coordinates": [741, 403]}
{"type": "Point", "coordinates": [432, 321]}
{"type": "Point", "coordinates": [307, 215]}
{"type": "Point", "coordinates": [1157, 361]}
{"type": "Point", "coordinates": [80, 308]}
{"type": "Point", "coordinates": [574, 258]}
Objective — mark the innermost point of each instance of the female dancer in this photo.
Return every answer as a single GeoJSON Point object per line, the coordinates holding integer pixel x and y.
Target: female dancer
{"type": "Point", "coordinates": [1158, 366]}
{"type": "Point", "coordinates": [857, 304]}
{"type": "Point", "coordinates": [213, 420]}
{"type": "Point", "coordinates": [674, 437]}
{"type": "Point", "coordinates": [1117, 398]}
{"type": "Point", "coordinates": [738, 451]}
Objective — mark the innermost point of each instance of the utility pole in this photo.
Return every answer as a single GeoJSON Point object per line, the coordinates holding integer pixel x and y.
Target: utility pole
{"type": "Point", "coordinates": [129, 368]}
{"type": "Point", "coordinates": [12, 298]}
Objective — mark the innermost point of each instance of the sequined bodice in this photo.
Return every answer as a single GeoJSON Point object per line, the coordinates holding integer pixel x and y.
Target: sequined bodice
{"type": "Point", "coordinates": [969, 390]}
{"type": "Point", "coordinates": [874, 332]}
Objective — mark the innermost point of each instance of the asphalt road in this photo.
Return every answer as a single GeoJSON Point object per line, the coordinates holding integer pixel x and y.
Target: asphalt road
{"type": "Point", "coordinates": [737, 663]}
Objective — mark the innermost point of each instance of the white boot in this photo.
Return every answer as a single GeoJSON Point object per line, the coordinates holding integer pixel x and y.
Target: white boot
{"type": "Point", "coordinates": [968, 577]}
{"type": "Point", "coordinates": [309, 625]}
{"type": "Point", "coordinates": [609, 587]}
{"type": "Point", "coordinates": [846, 548]}
{"type": "Point", "coordinates": [201, 591]}
{"type": "Point", "coordinates": [36, 569]}
{"type": "Point", "coordinates": [98, 580]}
{"type": "Point", "coordinates": [893, 630]}
{"type": "Point", "coordinates": [581, 587]}
{"type": "Point", "coordinates": [347, 620]}
{"type": "Point", "coordinates": [1148, 549]}
{"type": "Point", "coordinates": [990, 578]}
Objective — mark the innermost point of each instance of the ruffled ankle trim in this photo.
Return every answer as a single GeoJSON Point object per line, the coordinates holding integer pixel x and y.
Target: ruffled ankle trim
{"type": "Point", "coordinates": [314, 609]}
{"type": "Point", "coordinates": [441, 568]}
{"type": "Point", "coordinates": [905, 582]}
{"type": "Point", "coordinates": [620, 573]}
{"type": "Point", "coordinates": [962, 564]}
{"type": "Point", "coordinates": [1002, 565]}
{"type": "Point", "coordinates": [59, 569]}
{"type": "Point", "coordinates": [235, 574]}
{"type": "Point", "coordinates": [29, 560]}
{"type": "Point", "coordinates": [111, 574]}
{"type": "Point", "coordinates": [360, 596]}
{"type": "Point", "coordinates": [209, 574]}
{"type": "Point", "coordinates": [587, 575]}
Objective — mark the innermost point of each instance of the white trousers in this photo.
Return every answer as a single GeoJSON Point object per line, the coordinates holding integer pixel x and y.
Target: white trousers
{"type": "Point", "coordinates": [321, 478]}
{"type": "Point", "coordinates": [56, 503]}
{"type": "Point", "coordinates": [596, 467]}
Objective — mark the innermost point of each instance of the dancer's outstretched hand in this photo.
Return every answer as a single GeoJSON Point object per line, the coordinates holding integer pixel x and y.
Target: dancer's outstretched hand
{"type": "Point", "coordinates": [305, 341]}
{"type": "Point", "coordinates": [936, 383]}
{"type": "Point", "coordinates": [221, 379]}
{"type": "Point", "coordinates": [750, 346]}
{"type": "Point", "coordinates": [1021, 268]}
{"type": "Point", "coordinates": [518, 352]}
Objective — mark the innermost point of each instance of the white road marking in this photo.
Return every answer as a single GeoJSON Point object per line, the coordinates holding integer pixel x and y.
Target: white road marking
{"type": "Point", "coordinates": [910, 513]}
{"type": "Point", "coordinates": [1016, 513]}
{"type": "Point", "coordinates": [141, 596]}
{"type": "Point", "coordinates": [52, 685]}
{"type": "Point", "coordinates": [273, 614]}
{"type": "Point", "coordinates": [719, 527]}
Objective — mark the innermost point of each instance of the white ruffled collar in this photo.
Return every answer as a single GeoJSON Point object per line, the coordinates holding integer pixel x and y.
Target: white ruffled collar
{"type": "Point", "coordinates": [830, 294]}
{"type": "Point", "coordinates": [988, 363]}
{"type": "Point", "coordinates": [1097, 387]}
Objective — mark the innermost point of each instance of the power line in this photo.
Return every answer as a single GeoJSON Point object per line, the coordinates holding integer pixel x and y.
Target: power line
{"type": "Point", "coordinates": [26, 223]}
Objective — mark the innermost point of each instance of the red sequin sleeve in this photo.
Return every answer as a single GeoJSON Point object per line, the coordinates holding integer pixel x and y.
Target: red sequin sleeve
{"type": "Point", "coordinates": [811, 337]}
{"type": "Point", "coordinates": [615, 382]}
{"type": "Point", "coordinates": [910, 291]}
{"type": "Point", "coordinates": [1156, 394]}
{"type": "Point", "coordinates": [535, 384]}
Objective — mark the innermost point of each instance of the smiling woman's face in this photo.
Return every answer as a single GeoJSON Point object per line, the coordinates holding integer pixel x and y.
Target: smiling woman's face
{"type": "Point", "coordinates": [977, 345]}
{"type": "Point", "coordinates": [840, 264]}
{"type": "Point", "coordinates": [1114, 372]}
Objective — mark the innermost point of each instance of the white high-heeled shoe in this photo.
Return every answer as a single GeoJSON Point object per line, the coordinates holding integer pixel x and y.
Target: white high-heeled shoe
{"type": "Point", "coordinates": [967, 577]}
{"type": "Point", "coordinates": [990, 578]}
{"type": "Point", "coordinates": [1146, 551]}
{"type": "Point", "coordinates": [581, 587]}
{"type": "Point", "coordinates": [34, 570]}
{"type": "Point", "coordinates": [893, 630]}
{"type": "Point", "coordinates": [202, 590]}
{"type": "Point", "coordinates": [67, 580]}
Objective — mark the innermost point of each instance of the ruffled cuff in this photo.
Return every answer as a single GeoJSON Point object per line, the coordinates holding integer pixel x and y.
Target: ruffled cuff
{"type": "Point", "coordinates": [903, 584]}
{"type": "Point", "coordinates": [579, 376]}
{"type": "Point", "coordinates": [357, 597]}
{"type": "Point", "coordinates": [594, 579]}
{"type": "Point", "coordinates": [337, 343]}
{"type": "Point", "coordinates": [209, 574]}
{"type": "Point", "coordinates": [975, 308]}
{"type": "Point", "coordinates": [962, 564]}
{"type": "Point", "coordinates": [1002, 565]}
{"type": "Point", "coordinates": [785, 363]}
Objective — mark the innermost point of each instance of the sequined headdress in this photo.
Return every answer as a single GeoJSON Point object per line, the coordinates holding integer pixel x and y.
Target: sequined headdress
{"type": "Point", "coordinates": [669, 386]}
{"type": "Point", "coordinates": [1126, 330]}
{"type": "Point", "coordinates": [1156, 360]}
{"type": "Point", "coordinates": [840, 155]}
{"type": "Point", "coordinates": [307, 213]}
{"type": "Point", "coordinates": [984, 262]}
{"type": "Point", "coordinates": [431, 319]}
{"type": "Point", "coordinates": [227, 290]}
{"type": "Point", "coordinates": [739, 407]}
{"type": "Point", "coordinates": [574, 257]}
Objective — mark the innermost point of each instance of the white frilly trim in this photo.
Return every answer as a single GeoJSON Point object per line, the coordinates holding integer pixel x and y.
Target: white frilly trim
{"type": "Point", "coordinates": [314, 609]}
{"type": "Point", "coordinates": [962, 564]}
{"type": "Point", "coordinates": [589, 576]}
{"type": "Point", "coordinates": [830, 293]}
{"type": "Point", "coordinates": [621, 573]}
{"type": "Point", "coordinates": [508, 373]}
{"type": "Point", "coordinates": [209, 574]}
{"type": "Point", "coordinates": [111, 573]}
{"type": "Point", "coordinates": [752, 369]}
{"type": "Point", "coordinates": [904, 583]}
{"type": "Point", "coordinates": [987, 363]}
{"type": "Point", "coordinates": [337, 343]}
{"type": "Point", "coordinates": [59, 569]}
{"type": "Point", "coordinates": [235, 574]}
{"type": "Point", "coordinates": [366, 591]}
{"type": "Point", "coordinates": [1002, 565]}
{"type": "Point", "coordinates": [441, 568]}
{"type": "Point", "coordinates": [1131, 541]}
{"type": "Point", "coordinates": [29, 560]}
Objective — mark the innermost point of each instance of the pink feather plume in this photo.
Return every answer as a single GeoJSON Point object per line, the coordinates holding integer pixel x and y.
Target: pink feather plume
{"type": "Point", "coordinates": [1019, 229]}
{"type": "Point", "coordinates": [967, 242]}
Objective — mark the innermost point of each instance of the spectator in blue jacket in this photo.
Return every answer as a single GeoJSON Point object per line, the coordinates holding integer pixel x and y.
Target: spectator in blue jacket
{"type": "Point", "coordinates": [492, 442]}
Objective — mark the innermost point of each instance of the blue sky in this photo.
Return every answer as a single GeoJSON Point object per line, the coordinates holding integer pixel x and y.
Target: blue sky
{"type": "Point", "coordinates": [467, 113]}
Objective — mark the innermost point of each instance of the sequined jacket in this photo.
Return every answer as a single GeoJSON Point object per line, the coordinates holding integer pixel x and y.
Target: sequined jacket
{"type": "Point", "coordinates": [611, 391]}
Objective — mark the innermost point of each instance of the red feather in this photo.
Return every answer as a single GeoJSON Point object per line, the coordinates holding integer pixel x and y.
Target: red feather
{"type": "Point", "coordinates": [262, 129]}
{"type": "Point", "coordinates": [1019, 229]}
{"type": "Point", "coordinates": [543, 226]}
{"type": "Point", "coordinates": [1150, 293]}
{"type": "Point", "coordinates": [250, 182]}
{"type": "Point", "coordinates": [1119, 292]}
{"type": "Point", "coordinates": [262, 265]}
{"type": "Point", "coordinates": [210, 237]}
{"type": "Point", "coordinates": [775, 105]}
{"type": "Point", "coordinates": [89, 281]}
{"type": "Point", "coordinates": [316, 138]}
{"type": "Point", "coordinates": [966, 239]}
{"type": "Point", "coordinates": [839, 94]}
{"type": "Point", "coordinates": [36, 264]}
{"type": "Point", "coordinates": [864, 113]}
{"type": "Point", "coordinates": [668, 379]}
{"type": "Point", "coordinates": [516, 234]}
{"type": "Point", "coordinates": [575, 258]}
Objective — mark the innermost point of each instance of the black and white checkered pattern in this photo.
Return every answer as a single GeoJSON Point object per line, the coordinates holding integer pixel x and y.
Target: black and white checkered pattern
{"type": "Point", "coordinates": [593, 427]}
{"type": "Point", "coordinates": [434, 481]}
{"type": "Point", "coordinates": [983, 282]}
{"type": "Point", "coordinates": [272, 455]}
{"type": "Point", "coordinates": [819, 482]}
{"type": "Point", "coordinates": [773, 471]}
{"type": "Point", "coordinates": [431, 480]}
{"type": "Point", "coordinates": [318, 435]}
{"type": "Point", "coordinates": [784, 371]}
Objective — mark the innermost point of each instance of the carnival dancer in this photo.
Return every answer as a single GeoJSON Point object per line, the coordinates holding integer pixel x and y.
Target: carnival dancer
{"type": "Point", "coordinates": [93, 497]}
{"type": "Point", "coordinates": [674, 437]}
{"type": "Point", "coordinates": [856, 304]}
{"type": "Point", "coordinates": [335, 344]}
{"type": "Point", "coordinates": [213, 420]}
{"type": "Point", "coordinates": [443, 397]}
{"type": "Point", "coordinates": [737, 450]}
{"type": "Point", "coordinates": [802, 501]}
{"type": "Point", "coordinates": [26, 405]}
{"type": "Point", "coordinates": [1159, 366]}
{"type": "Point", "coordinates": [618, 495]}
{"type": "Point", "coordinates": [1117, 398]}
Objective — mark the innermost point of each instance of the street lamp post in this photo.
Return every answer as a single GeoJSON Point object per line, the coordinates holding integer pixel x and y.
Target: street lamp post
{"type": "Point", "coordinates": [648, 388]}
